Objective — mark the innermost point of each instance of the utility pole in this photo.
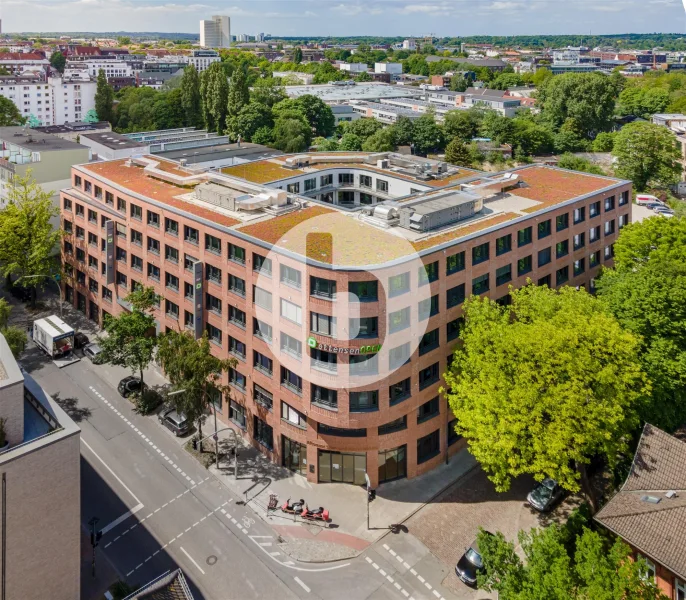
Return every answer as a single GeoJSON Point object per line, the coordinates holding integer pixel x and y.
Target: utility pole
{"type": "Point", "coordinates": [95, 538]}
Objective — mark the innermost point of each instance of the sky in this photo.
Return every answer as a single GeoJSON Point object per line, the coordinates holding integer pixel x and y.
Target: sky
{"type": "Point", "coordinates": [351, 17]}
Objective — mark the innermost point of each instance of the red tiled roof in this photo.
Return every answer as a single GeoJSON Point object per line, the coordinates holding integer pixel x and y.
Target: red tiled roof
{"type": "Point", "coordinates": [136, 180]}
{"type": "Point", "coordinates": [21, 56]}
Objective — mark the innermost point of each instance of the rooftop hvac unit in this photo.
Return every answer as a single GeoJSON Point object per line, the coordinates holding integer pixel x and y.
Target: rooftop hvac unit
{"type": "Point", "coordinates": [383, 163]}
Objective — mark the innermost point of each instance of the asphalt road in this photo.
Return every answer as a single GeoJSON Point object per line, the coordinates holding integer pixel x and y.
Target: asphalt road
{"type": "Point", "coordinates": [159, 509]}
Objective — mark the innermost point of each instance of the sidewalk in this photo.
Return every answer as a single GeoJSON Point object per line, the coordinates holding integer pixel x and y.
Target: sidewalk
{"type": "Point", "coordinates": [347, 534]}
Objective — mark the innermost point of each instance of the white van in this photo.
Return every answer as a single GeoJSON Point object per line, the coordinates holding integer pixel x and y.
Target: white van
{"type": "Point", "coordinates": [643, 199]}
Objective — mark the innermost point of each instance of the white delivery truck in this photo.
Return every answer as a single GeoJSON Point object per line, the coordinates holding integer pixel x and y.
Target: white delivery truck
{"type": "Point", "coordinates": [53, 336]}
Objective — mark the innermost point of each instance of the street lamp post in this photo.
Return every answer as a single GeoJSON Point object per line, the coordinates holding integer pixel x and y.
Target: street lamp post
{"type": "Point", "coordinates": [54, 278]}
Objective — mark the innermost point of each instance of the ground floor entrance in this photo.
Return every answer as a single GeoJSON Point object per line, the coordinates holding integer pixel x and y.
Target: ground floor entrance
{"type": "Point", "coordinates": [294, 456]}
{"type": "Point", "coordinates": [343, 467]}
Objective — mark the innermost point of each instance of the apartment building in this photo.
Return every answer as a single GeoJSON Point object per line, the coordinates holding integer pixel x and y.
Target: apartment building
{"type": "Point", "coordinates": [113, 67]}
{"type": "Point", "coordinates": [51, 100]}
{"type": "Point", "coordinates": [202, 59]}
{"type": "Point", "coordinates": [215, 32]}
{"type": "Point", "coordinates": [17, 63]}
{"type": "Point", "coordinates": [336, 281]}
{"type": "Point", "coordinates": [40, 529]}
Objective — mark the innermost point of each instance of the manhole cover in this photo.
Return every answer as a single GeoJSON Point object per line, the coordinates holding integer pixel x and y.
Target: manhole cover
{"type": "Point", "coordinates": [211, 560]}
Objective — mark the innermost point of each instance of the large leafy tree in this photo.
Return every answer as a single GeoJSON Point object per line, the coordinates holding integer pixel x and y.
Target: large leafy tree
{"type": "Point", "coordinates": [27, 238]}
{"type": "Point", "coordinates": [58, 61]}
{"type": "Point", "coordinates": [190, 366]}
{"type": "Point", "coordinates": [131, 340]}
{"type": "Point", "coordinates": [463, 124]}
{"type": "Point", "coordinates": [15, 336]}
{"type": "Point", "coordinates": [104, 98]}
{"type": "Point", "coordinates": [190, 96]}
{"type": "Point", "coordinates": [364, 128]}
{"type": "Point", "coordinates": [457, 153]}
{"type": "Point", "coordinates": [544, 385]}
{"type": "Point", "coordinates": [292, 132]}
{"type": "Point", "coordinates": [239, 93]}
{"type": "Point", "coordinates": [268, 92]}
{"type": "Point", "coordinates": [646, 292]}
{"type": "Point", "coordinates": [251, 117]}
{"type": "Point", "coordinates": [563, 562]}
{"type": "Point", "coordinates": [587, 97]}
{"type": "Point", "coordinates": [427, 134]}
{"type": "Point", "coordinates": [9, 113]}
{"type": "Point", "coordinates": [214, 92]}
{"type": "Point", "coordinates": [381, 141]}
{"type": "Point", "coordinates": [318, 114]}
{"type": "Point", "coordinates": [647, 154]}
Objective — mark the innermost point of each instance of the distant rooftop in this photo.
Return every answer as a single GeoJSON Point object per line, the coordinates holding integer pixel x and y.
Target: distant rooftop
{"type": "Point", "coordinates": [113, 140]}
{"type": "Point", "coordinates": [75, 126]}
{"type": "Point", "coordinates": [35, 140]}
{"type": "Point", "coordinates": [360, 91]}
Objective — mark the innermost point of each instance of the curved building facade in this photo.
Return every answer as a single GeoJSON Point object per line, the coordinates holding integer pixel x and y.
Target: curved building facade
{"type": "Point", "coordinates": [335, 281]}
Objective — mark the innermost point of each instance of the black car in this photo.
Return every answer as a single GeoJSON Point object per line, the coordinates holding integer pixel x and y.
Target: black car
{"type": "Point", "coordinates": [470, 564]}
{"type": "Point", "coordinates": [175, 422]}
{"type": "Point", "coordinates": [80, 340]}
{"type": "Point", "coordinates": [129, 385]}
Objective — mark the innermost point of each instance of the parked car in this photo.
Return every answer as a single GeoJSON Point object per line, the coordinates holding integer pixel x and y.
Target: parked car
{"type": "Point", "coordinates": [176, 422]}
{"type": "Point", "coordinates": [545, 495]}
{"type": "Point", "coordinates": [654, 205]}
{"type": "Point", "coordinates": [663, 209]}
{"type": "Point", "coordinates": [644, 199]}
{"type": "Point", "coordinates": [94, 352]}
{"type": "Point", "coordinates": [470, 564]}
{"type": "Point", "coordinates": [80, 340]}
{"type": "Point", "coordinates": [129, 385]}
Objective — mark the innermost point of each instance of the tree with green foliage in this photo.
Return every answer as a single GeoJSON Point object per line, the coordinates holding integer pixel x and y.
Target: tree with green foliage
{"type": "Point", "coordinates": [505, 81]}
{"type": "Point", "coordinates": [123, 40]}
{"type": "Point", "coordinates": [381, 141]}
{"type": "Point", "coordinates": [646, 292]}
{"type": "Point", "coordinates": [457, 153]}
{"type": "Point", "coordinates": [268, 92]}
{"type": "Point", "coordinates": [458, 83]}
{"type": "Point", "coordinates": [463, 124]}
{"type": "Point", "coordinates": [350, 143]}
{"type": "Point", "coordinates": [239, 94]}
{"type": "Point", "coordinates": [325, 145]}
{"type": "Point", "coordinates": [647, 154]}
{"type": "Point", "coordinates": [403, 130]}
{"type": "Point", "coordinates": [190, 96]}
{"type": "Point", "coordinates": [318, 114]}
{"type": "Point", "coordinates": [58, 61]}
{"type": "Point", "coordinates": [587, 97]}
{"type": "Point", "coordinates": [131, 340]}
{"type": "Point", "coordinates": [264, 136]}
{"type": "Point", "coordinates": [214, 92]}
{"type": "Point", "coordinates": [104, 98]}
{"type": "Point", "coordinates": [14, 336]}
{"type": "Point", "coordinates": [577, 163]}
{"type": "Point", "coordinates": [604, 142]}
{"type": "Point", "coordinates": [498, 127]}
{"type": "Point", "coordinates": [327, 72]}
{"type": "Point", "coordinates": [531, 139]}
{"type": "Point", "coordinates": [427, 134]}
{"type": "Point", "coordinates": [195, 372]}
{"type": "Point", "coordinates": [364, 77]}
{"type": "Point", "coordinates": [642, 102]}
{"type": "Point", "coordinates": [544, 385]}
{"type": "Point", "coordinates": [27, 238]}
{"type": "Point", "coordinates": [251, 117]}
{"type": "Point", "coordinates": [364, 128]}
{"type": "Point", "coordinates": [297, 55]}
{"type": "Point", "coordinates": [570, 138]}
{"type": "Point", "coordinates": [292, 132]}
{"type": "Point", "coordinates": [9, 113]}
{"type": "Point", "coordinates": [563, 562]}
{"type": "Point", "coordinates": [541, 76]}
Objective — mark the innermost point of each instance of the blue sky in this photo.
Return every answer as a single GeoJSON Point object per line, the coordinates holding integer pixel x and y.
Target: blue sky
{"type": "Point", "coordinates": [351, 17]}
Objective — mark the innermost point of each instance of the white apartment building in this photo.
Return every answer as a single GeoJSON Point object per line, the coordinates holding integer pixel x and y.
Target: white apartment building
{"type": "Point", "coordinates": [17, 62]}
{"type": "Point", "coordinates": [353, 67]}
{"type": "Point", "coordinates": [388, 67]}
{"type": "Point", "coordinates": [52, 101]}
{"type": "Point", "coordinates": [202, 59]}
{"type": "Point", "coordinates": [215, 32]}
{"type": "Point", "coordinates": [409, 44]}
{"type": "Point", "coordinates": [112, 68]}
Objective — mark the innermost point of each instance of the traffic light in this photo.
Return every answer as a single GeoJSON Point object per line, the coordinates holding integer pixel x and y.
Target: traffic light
{"type": "Point", "coordinates": [95, 538]}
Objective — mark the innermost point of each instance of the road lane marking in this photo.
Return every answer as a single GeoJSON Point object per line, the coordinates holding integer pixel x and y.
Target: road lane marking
{"type": "Point", "coordinates": [388, 578]}
{"type": "Point", "coordinates": [417, 575]}
{"type": "Point", "coordinates": [413, 572]}
{"type": "Point", "coordinates": [121, 519]}
{"type": "Point", "coordinates": [197, 566]}
{"type": "Point", "coordinates": [85, 443]}
{"type": "Point", "coordinates": [436, 594]}
{"type": "Point", "coordinates": [302, 584]}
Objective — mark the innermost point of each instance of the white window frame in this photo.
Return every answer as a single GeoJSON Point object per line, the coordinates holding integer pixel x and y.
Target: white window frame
{"type": "Point", "coordinates": [290, 311]}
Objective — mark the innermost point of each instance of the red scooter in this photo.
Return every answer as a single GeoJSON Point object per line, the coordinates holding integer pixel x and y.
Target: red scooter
{"type": "Point", "coordinates": [318, 514]}
{"type": "Point", "coordinates": [295, 508]}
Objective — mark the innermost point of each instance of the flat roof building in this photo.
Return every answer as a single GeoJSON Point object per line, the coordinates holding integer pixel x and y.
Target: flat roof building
{"type": "Point", "coordinates": [336, 280]}
{"type": "Point", "coordinates": [360, 91]}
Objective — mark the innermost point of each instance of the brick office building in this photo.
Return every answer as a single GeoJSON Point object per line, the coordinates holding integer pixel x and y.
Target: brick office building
{"type": "Point", "coordinates": [337, 281]}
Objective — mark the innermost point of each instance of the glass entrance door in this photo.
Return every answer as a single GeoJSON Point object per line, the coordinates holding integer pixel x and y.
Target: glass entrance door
{"type": "Point", "coordinates": [343, 467]}
{"type": "Point", "coordinates": [294, 456]}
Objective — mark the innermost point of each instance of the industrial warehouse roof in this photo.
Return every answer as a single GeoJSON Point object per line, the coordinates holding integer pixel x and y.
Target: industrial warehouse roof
{"type": "Point", "coordinates": [359, 91]}
{"type": "Point", "coordinates": [358, 241]}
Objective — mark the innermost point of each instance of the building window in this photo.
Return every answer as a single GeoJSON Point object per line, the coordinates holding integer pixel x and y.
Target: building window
{"type": "Point", "coordinates": [594, 234]}
{"type": "Point", "coordinates": [455, 295]}
{"type": "Point", "coordinates": [213, 304]}
{"type": "Point", "coordinates": [428, 376]}
{"type": "Point", "coordinates": [92, 216]}
{"type": "Point", "coordinates": [544, 280]}
{"type": "Point", "coordinates": [171, 281]}
{"type": "Point", "coordinates": [136, 263]}
{"type": "Point", "coordinates": [79, 210]}
{"type": "Point", "coordinates": [263, 433]}
{"type": "Point", "coordinates": [262, 330]}
{"type": "Point", "coordinates": [400, 391]}
{"type": "Point", "coordinates": [214, 333]}
{"type": "Point", "coordinates": [679, 585]}
{"type": "Point", "coordinates": [263, 363]}
{"type": "Point", "coordinates": [392, 463]}
{"type": "Point", "coordinates": [153, 219]}
{"type": "Point", "coordinates": [291, 311]}
{"type": "Point", "coordinates": [503, 245]}
{"type": "Point", "coordinates": [237, 317]}
{"type": "Point", "coordinates": [365, 181]}
{"type": "Point", "coordinates": [562, 222]}
{"type": "Point", "coordinates": [310, 184]}
{"type": "Point", "coordinates": [136, 212]}
{"type": "Point", "coordinates": [294, 417]}
{"type": "Point", "coordinates": [544, 229]}
{"type": "Point", "coordinates": [213, 244]}
{"type": "Point", "coordinates": [610, 227]}
{"type": "Point", "coordinates": [88, 187]}
{"type": "Point", "coordinates": [67, 204]}
{"type": "Point", "coordinates": [382, 186]}
{"type": "Point", "coordinates": [399, 320]}
{"type": "Point", "coordinates": [428, 410]}
{"type": "Point", "coordinates": [609, 203]}
{"type": "Point", "coordinates": [346, 178]}
{"type": "Point", "coordinates": [648, 572]}
{"type": "Point", "coordinates": [364, 401]}
{"type": "Point", "coordinates": [324, 396]}
{"type": "Point", "coordinates": [623, 220]}
{"type": "Point", "coordinates": [480, 284]}
{"type": "Point", "coordinates": [393, 426]}
{"type": "Point", "coordinates": [524, 265]}
{"type": "Point", "coordinates": [293, 188]}
{"type": "Point", "coordinates": [363, 291]}
{"type": "Point", "coordinates": [624, 198]}
{"type": "Point", "coordinates": [398, 284]}
{"type": "Point", "coordinates": [428, 446]}
{"type": "Point", "coordinates": [153, 272]}
{"type": "Point", "coordinates": [480, 253]}
{"type": "Point", "coordinates": [236, 347]}
{"type": "Point", "coordinates": [453, 436]}
{"type": "Point", "coordinates": [290, 276]}
{"type": "Point", "coordinates": [428, 342]}
{"type": "Point", "coordinates": [77, 181]}
{"type": "Point", "coordinates": [364, 327]}
{"type": "Point", "coordinates": [427, 308]}
{"type": "Point", "coordinates": [323, 288]}
{"type": "Point", "coordinates": [171, 309]}
{"type": "Point", "coordinates": [324, 361]}
{"type": "Point", "coordinates": [504, 274]}
{"type": "Point", "coordinates": [579, 267]}
{"type": "Point", "coordinates": [561, 275]}
{"type": "Point", "coordinates": [399, 356]}
{"type": "Point", "coordinates": [326, 180]}
{"type": "Point", "coordinates": [237, 414]}
{"type": "Point", "coordinates": [594, 209]}
{"type": "Point", "coordinates": [323, 324]}
{"type": "Point", "coordinates": [171, 227]}
{"type": "Point", "coordinates": [213, 274]}
{"type": "Point", "coordinates": [454, 327]}
{"type": "Point", "coordinates": [291, 381]}
{"type": "Point", "coordinates": [237, 285]}
{"type": "Point", "coordinates": [364, 364]}
{"type": "Point", "coordinates": [579, 215]}
{"type": "Point", "coordinates": [524, 237]}
{"type": "Point", "coordinates": [428, 273]}
{"type": "Point", "coordinates": [262, 298]}
{"type": "Point", "coordinates": [594, 259]}
{"type": "Point", "coordinates": [153, 246]}
{"type": "Point", "coordinates": [191, 235]}
{"type": "Point", "coordinates": [291, 346]}
{"type": "Point", "coordinates": [455, 263]}
{"type": "Point", "coordinates": [340, 432]}
{"type": "Point", "coordinates": [562, 248]}
{"type": "Point", "coordinates": [544, 257]}
{"type": "Point", "coordinates": [261, 264]}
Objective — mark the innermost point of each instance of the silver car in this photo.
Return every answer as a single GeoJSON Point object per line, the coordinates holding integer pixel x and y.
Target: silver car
{"type": "Point", "coordinates": [93, 352]}
{"type": "Point", "coordinates": [545, 495]}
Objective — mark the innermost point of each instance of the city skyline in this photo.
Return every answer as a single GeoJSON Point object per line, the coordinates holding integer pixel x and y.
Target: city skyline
{"type": "Point", "coordinates": [340, 18]}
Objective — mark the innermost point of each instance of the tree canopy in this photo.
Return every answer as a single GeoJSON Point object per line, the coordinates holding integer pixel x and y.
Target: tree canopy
{"type": "Point", "coordinates": [9, 113]}
{"type": "Point", "coordinates": [544, 385]}
{"type": "Point", "coordinates": [104, 98]}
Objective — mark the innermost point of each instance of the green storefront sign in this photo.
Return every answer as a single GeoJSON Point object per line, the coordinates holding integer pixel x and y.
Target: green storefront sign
{"type": "Point", "coordinates": [313, 343]}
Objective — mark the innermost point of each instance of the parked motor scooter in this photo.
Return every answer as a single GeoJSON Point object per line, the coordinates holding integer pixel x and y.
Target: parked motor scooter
{"type": "Point", "coordinates": [317, 514]}
{"type": "Point", "coordinates": [295, 508]}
